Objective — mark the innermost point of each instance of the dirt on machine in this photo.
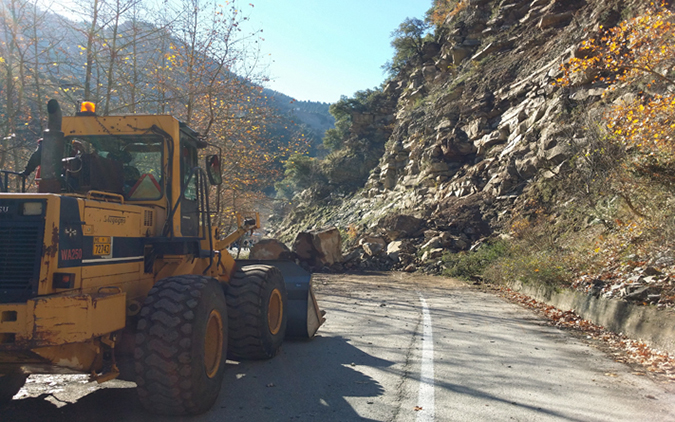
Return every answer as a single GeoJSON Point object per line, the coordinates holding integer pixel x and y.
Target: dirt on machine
{"type": "Point", "coordinates": [114, 269]}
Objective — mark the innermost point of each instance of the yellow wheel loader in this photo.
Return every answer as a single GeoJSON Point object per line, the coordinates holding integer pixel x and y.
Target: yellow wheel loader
{"type": "Point", "coordinates": [114, 269]}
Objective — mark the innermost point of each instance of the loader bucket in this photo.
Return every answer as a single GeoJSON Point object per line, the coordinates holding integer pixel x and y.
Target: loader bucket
{"type": "Point", "coordinates": [303, 314]}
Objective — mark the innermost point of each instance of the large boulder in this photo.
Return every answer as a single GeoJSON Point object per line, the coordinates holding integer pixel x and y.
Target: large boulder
{"type": "Point", "coordinates": [319, 247]}
{"type": "Point", "coordinates": [267, 249]}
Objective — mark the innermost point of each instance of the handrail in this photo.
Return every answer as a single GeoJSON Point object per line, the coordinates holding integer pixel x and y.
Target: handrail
{"type": "Point", "coordinates": [4, 186]}
{"type": "Point", "coordinates": [100, 195]}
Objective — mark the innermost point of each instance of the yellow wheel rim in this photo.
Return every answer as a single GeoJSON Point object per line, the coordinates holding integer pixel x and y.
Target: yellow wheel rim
{"type": "Point", "coordinates": [213, 344]}
{"type": "Point", "coordinates": [275, 312]}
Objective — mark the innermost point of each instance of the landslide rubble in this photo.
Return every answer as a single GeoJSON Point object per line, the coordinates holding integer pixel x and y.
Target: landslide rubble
{"type": "Point", "coordinates": [472, 127]}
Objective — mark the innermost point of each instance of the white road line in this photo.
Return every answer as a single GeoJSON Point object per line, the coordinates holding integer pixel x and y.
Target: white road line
{"type": "Point", "coordinates": [426, 396]}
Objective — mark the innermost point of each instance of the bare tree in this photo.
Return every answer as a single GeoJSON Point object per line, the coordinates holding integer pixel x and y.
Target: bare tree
{"type": "Point", "coordinates": [92, 35]}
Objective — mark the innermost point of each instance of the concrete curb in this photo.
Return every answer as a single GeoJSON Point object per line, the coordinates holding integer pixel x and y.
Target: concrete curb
{"type": "Point", "coordinates": [646, 323]}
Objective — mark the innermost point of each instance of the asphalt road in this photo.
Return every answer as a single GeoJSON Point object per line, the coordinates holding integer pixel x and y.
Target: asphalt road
{"type": "Point", "coordinates": [397, 347]}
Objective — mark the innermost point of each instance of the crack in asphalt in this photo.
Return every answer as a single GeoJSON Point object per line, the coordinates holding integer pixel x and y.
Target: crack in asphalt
{"type": "Point", "coordinates": [400, 393]}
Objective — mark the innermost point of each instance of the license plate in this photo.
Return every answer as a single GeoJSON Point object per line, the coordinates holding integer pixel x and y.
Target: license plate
{"type": "Point", "coordinates": [102, 245]}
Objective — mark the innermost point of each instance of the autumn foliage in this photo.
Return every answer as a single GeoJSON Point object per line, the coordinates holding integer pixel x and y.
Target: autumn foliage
{"type": "Point", "coordinates": [637, 51]}
{"type": "Point", "coordinates": [442, 9]}
{"type": "Point", "coordinates": [198, 60]}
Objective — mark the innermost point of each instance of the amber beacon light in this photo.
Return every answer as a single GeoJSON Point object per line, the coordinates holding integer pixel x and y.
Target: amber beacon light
{"type": "Point", "coordinates": [87, 107]}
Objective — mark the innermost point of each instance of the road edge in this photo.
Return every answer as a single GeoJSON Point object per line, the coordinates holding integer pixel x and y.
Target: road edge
{"type": "Point", "coordinates": [653, 326]}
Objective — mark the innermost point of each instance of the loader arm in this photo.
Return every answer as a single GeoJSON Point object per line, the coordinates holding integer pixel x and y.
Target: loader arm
{"type": "Point", "coordinates": [244, 225]}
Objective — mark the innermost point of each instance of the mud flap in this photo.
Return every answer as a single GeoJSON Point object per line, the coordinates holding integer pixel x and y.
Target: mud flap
{"type": "Point", "coordinates": [303, 313]}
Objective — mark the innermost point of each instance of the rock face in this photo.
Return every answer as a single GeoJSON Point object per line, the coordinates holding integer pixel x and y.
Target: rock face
{"type": "Point", "coordinates": [478, 118]}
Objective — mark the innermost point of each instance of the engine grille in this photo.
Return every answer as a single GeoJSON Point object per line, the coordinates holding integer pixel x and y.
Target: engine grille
{"type": "Point", "coordinates": [20, 252]}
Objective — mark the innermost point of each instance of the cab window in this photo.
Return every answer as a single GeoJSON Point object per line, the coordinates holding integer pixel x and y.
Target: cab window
{"type": "Point", "coordinates": [126, 165]}
{"type": "Point", "coordinates": [188, 162]}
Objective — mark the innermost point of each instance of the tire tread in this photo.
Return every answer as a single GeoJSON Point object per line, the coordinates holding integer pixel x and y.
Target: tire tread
{"type": "Point", "coordinates": [245, 303]}
{"type": "Point", "coordinates": [163, 346]}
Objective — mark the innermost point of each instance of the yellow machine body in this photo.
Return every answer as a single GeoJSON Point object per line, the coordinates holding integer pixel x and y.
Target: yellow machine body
{"type": "Point", "coordinates": [78, 263]}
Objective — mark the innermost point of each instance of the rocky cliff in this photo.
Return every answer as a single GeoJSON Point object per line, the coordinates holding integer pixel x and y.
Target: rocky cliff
{"type": "Point", "coordinates": [473, 124]}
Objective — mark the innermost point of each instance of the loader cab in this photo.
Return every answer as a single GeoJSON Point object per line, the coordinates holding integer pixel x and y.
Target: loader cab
{"type": "Point", "coordinates": [127, 165]}
{"type": "Point", "coordinates": [142, 159]}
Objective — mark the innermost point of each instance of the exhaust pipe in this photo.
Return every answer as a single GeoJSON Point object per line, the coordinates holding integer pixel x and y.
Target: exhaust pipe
{"type": "Point", "coordinates": [53, 146]}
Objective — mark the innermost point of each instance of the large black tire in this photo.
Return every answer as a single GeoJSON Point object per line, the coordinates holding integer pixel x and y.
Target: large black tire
{"type": "Point", "coordinates": [257, 303]}
{"type": "Point", "coordinates": [181, 345]}
{"type": "Point", "coordinates": [10, 384]}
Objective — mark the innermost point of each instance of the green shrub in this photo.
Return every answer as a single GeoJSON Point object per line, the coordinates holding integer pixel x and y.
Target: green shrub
{"type": "Point", "coordinates": [333, 139]}
{"type": "Point", "coordinates": [300, 172]}
{"type": "Point", "coordinates": [542, 267]}
{"type": "Point", "coordinates": [471, 264]}
{"type": "Point", "coordinates": [503, 261]}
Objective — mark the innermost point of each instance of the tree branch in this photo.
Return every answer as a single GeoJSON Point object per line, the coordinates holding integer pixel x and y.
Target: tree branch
{"type": "Point", "coordinates": [651, 72]}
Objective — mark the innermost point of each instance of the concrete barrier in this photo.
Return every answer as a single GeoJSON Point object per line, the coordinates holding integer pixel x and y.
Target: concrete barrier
{"type": "Point", "coordinates": [656, 327]}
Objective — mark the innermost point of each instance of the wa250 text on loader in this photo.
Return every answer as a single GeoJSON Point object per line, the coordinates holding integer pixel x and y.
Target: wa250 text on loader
{"type": "Point", "coordinates": [113, 267]}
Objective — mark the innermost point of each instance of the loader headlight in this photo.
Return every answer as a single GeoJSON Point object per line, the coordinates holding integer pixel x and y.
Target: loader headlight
{"type": "Point", "coordinates": [63, 281]}
{"type": "Point", "coordinates": [32, 208]}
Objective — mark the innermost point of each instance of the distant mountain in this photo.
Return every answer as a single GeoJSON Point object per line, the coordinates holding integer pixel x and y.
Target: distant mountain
{"type": "Point", "coordinates": [313, 117]}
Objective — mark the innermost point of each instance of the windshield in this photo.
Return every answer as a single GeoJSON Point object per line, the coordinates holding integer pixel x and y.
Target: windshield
{"type": "Point", "coordinates": [129, 165]}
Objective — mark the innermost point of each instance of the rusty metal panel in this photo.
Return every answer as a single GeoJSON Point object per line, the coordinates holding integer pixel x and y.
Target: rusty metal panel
{"type": "Point", "coordinates": [50, 246]}
{"type": "Point", "coordinates": [71, 319]}
{"type": "Point", "coordinates": [60, 320]}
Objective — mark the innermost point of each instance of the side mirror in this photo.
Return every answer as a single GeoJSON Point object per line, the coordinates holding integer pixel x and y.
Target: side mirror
{"type": "Point", "coordinates": [213, 169]}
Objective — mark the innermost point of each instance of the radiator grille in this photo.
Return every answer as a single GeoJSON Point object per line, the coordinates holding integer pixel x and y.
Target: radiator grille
{"type": "Point", "coordinates": [147, 218]}
{"type": "Point", "coordinates": [20, 250]}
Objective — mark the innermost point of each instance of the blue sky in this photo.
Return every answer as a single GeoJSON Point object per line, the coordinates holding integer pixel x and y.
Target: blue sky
{"type": "Point", "coordinates": [319, 50]}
